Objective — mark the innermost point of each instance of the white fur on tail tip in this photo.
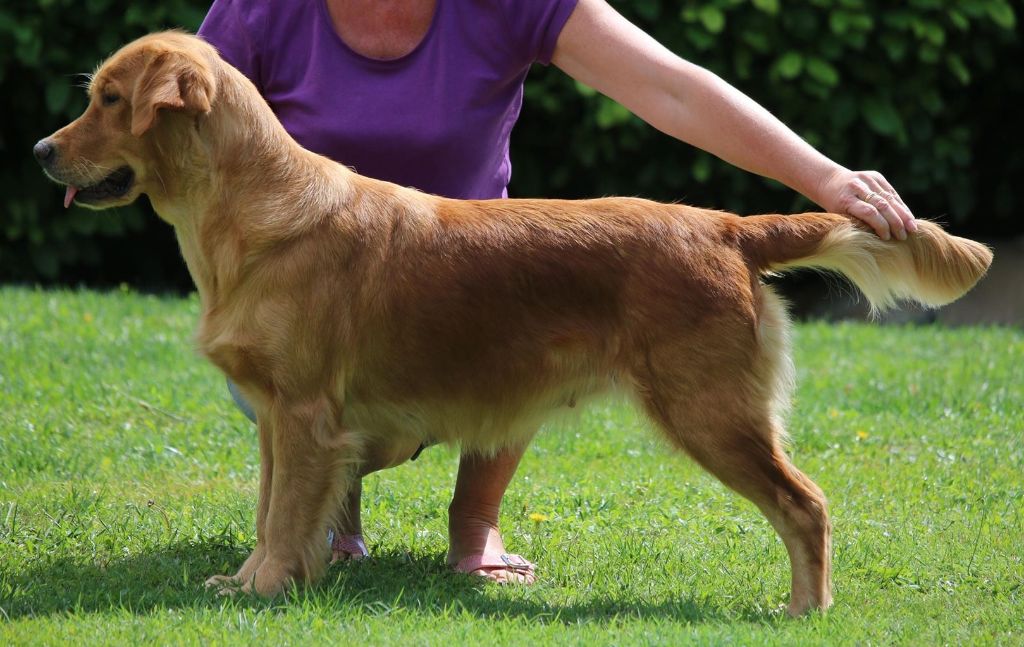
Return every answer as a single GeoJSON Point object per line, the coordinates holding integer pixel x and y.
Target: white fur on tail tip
{"type": "Point", "coordinates": [930, 267]}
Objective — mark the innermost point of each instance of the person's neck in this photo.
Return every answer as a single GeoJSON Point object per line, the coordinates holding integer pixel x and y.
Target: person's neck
{"type": "Point", "coordinates": [382, 29]}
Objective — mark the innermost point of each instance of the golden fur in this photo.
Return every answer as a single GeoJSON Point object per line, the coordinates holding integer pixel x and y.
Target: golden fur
{"type": "Point", "coordinates": [356, 314]}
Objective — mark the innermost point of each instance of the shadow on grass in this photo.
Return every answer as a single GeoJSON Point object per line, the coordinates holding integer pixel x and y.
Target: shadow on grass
{"type": "Point", "coordinates": [172, 578]}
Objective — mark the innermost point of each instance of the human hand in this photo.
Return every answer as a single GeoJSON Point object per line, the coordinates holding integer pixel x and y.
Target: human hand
{"type": "Point", "coordinates": [867, 195]}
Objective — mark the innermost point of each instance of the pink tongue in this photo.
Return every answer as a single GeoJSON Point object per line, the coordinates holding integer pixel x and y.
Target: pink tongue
{"type": "Point", "coordinates": [69, 195]}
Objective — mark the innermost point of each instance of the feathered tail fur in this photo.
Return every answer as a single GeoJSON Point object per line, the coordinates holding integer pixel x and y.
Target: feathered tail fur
{"type": "Point", "coordinates": [930, 267]}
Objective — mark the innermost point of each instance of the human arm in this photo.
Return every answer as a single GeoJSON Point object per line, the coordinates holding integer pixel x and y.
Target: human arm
{"type": "Point", "coordinates": [601, 49]}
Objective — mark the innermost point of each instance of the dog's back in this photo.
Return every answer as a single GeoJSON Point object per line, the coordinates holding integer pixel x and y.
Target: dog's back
{"type": "Point", "coordinates": [498, 312]}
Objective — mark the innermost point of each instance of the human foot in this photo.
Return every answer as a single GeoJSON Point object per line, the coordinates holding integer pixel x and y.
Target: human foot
{"type": "Point", "coordinates": [504, 568]}
{"type": "Point", "coordinates": [476, 548]}
{"type": "Point", "coordinates": [346, 537]}
{"type": "Point", "coordinates": [346, 547]}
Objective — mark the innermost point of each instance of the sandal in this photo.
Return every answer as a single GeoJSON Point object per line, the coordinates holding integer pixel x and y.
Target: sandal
{"type": "Point", "coordinates": [488, 563]}
{"type": "Point", "coordinates": [351, 545]}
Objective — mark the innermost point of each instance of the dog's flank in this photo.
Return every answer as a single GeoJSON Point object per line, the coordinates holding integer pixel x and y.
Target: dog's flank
{"type": "Point", "coordinates": [359, 317]}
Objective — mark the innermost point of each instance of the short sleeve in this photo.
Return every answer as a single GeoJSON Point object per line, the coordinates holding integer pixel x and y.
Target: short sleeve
{"type": "Point", "coordinates": [536, 24]}
{"type": "Point", "coordinates": [233, 27]}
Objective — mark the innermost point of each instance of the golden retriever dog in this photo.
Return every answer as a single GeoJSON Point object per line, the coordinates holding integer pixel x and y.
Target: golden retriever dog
{"type": "Point", "coordinates": [356, 314]}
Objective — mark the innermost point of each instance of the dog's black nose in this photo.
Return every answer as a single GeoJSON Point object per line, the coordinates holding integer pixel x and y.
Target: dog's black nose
{"type": "Point", "coordinates": [45, 151]}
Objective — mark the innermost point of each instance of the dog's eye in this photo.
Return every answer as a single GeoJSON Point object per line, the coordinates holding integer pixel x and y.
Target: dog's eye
{"type": "Point", "coordinates": [110, 98]}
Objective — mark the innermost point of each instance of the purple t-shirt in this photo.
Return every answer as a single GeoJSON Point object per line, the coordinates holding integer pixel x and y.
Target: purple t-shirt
{"type": "Point", "coordinates": [438, 119]}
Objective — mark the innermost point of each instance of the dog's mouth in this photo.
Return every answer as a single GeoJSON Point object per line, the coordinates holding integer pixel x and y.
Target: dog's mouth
{"type": "Point", "coordinates": [114, 186]}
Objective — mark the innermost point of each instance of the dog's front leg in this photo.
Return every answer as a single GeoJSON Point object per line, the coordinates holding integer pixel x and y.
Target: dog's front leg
{"type": "Point", "coordinates": [304, 461]}
{"type": "Point", "coordinates": [230, 583]}
{"type": "Point", "coordinates": [310, 458]}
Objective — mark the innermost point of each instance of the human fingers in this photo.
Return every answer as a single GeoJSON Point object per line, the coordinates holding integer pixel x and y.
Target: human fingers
{"type": "Point", "coordinates": [869, 214]}
{"type": "Point", "coordinates": [852, 204]}
{"type": "Point", "coordinates": [883, 205]}
{"type": "Point", "coordinates": [897, 203]}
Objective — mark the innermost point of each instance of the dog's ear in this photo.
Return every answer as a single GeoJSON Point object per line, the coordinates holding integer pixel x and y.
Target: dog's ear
{"type": "Point", "coordinates": [170, 81]}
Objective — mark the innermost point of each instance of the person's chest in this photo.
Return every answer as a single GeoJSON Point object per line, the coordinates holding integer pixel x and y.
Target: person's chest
{"type": "Point", "coordinates": [449, 101]}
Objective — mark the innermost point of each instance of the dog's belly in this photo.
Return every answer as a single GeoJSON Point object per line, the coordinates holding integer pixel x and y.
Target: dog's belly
{"type": "Point", "coordinates": [475, 424]}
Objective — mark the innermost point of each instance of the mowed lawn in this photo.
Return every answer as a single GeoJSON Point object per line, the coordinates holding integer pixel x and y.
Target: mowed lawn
{"type": "Point", "coordinates": [127, 478]}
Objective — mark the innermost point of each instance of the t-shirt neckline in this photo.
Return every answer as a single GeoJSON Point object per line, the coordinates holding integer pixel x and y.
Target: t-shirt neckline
{"type": "Point", "coordinates": [328, 24]}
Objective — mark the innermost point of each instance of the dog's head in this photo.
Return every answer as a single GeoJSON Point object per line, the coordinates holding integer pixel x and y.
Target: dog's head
{"type": "Point", "coordinates": [152, 89]}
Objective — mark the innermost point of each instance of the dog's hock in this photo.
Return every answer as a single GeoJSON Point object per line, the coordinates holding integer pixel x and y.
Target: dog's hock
{"type": "Point", "coordinates": [171, 81]}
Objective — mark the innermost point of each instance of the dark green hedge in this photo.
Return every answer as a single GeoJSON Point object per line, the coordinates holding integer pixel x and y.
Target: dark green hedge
{"type": "Point", "coordinates": [925, 91]}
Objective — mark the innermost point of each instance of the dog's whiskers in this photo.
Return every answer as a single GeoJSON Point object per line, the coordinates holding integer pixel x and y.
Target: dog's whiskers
{"type": "Point", "coordinates": [159, 177]}
{"type": "Point", "coordinates": [99, 167]}
{"type": "Point", "coordinates": [78, 168]}
{"type": "Point", "coordinates": [86, 80]}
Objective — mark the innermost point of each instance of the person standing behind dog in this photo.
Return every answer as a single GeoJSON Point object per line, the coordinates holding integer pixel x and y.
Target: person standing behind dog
{"type": "Point", "coordinates": [424, 93]}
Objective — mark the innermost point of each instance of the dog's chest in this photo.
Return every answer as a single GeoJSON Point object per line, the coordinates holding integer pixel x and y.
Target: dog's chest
{"type": "Point", "coordinates": [228, 346]}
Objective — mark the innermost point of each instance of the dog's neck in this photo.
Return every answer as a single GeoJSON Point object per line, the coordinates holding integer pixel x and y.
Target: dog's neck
{"type": "Point", "coordinates": [258, 189]}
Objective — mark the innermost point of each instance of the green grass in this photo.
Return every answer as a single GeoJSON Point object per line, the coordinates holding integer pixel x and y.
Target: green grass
{"type": "Point", "coordinates": [127, 477]}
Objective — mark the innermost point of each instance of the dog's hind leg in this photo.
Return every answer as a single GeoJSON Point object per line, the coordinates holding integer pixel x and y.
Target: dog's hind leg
{"type": "Point", "coordinates": [744, 453]}
{"type": "Point", "coordinates": [718, 411]}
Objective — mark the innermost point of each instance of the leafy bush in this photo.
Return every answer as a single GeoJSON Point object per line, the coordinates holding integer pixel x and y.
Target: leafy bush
{"type": "Point", "coordinates": [918, 90]}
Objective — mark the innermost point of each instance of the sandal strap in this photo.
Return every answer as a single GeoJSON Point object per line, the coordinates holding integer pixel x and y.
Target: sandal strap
{"type": "Point", "coordinates": [351, 544]}
{"type": "Point", "coordinates": [507, 561]}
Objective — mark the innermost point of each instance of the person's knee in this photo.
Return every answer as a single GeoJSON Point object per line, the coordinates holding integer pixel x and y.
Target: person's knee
{"type": "Point", "coordinates": [382, 455]}
{"type": "Point", "coordinates": [240, 401]}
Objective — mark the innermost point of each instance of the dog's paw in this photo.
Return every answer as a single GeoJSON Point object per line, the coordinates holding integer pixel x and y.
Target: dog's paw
{"type": "Point", "coordinates": [223, 584]}
{"type": "Point", "coordinates": [271, 578]}
{"type": "Point", "coordinates": [798, 608]}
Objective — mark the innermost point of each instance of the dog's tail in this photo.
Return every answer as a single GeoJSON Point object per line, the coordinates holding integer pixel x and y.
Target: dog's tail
{"type": "Point", "coordinates": [931, 267]}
